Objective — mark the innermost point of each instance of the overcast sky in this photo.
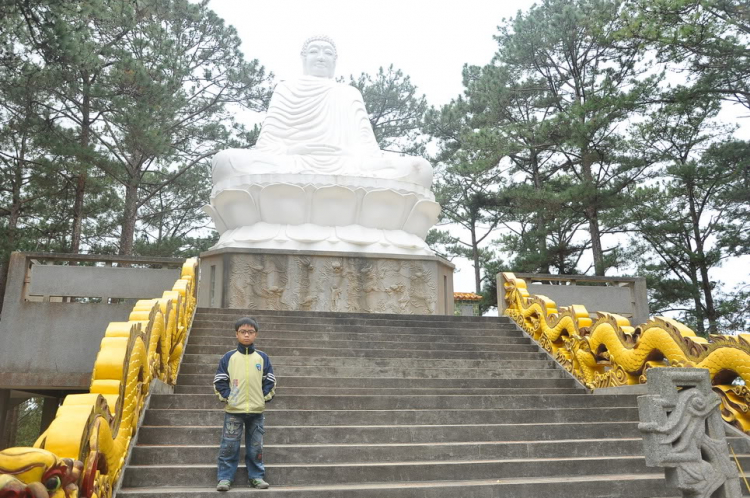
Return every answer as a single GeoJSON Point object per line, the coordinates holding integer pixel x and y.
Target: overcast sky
{"type": "Point", "coordinates": [429, 40]}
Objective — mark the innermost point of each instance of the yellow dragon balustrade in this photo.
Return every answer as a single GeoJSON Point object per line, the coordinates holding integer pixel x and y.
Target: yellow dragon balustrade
{"type": "Point", "coordinates": [609, 352]}
{"type": "Point", "coordinates": [83, 451]}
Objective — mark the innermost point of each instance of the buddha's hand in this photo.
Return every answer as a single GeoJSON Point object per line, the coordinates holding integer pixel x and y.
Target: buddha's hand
{"type": "Point", "coordinates": [313, 150]}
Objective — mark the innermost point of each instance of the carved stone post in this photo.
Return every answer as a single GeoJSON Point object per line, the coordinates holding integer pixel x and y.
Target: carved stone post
{"type": "Point", "coordinates": [683, 432]}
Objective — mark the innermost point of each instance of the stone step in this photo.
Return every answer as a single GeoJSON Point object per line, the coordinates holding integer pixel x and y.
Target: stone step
{"type": "Point", "coordinates": [281, 363]}
{"type": "Point", "coordinates": [291, 417]}
{"type": "Point", "coordinates": [574, 486]}
{"type": "Point", "coordinates": [414, 358]}
{"type": "Point", "coordinates": [371, 434]}
{"type": "Point", "coordinates": [383, 327]}
{"type": "Point", "coordinates": [328, 474]}
{"type": "Point", "coordinates": [396, 373]}
{"type": "Point", "coordinates": [474, 450]}
{"type": "Point", "coordinates": [227, 321]}
{"type": "Point", "coordinates": [321, 352]}
{"type": "Point", "coordinates": [561, 381]}
{"type": "Point", "coordinates": [370, 453]}
{"type": "Point", "coordinates": [234, 314]}
{"type": "Point", "coordinates": [539, 361]}
{"type": "Point", "coordinates": [201, 328]}
{"type": "Point", "coordinates": [229, 338]}
{"type": "Point", "coordinates": [356, 391]}
{"type": "Point", "coordinates": [268, 344]}
{"type": "Point", "coordinates": [391, 402]}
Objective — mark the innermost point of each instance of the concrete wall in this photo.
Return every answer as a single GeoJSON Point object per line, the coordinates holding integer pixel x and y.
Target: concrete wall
{"type": "Point", "coordinates": [620, 295]}
{"type": "Point", "coordinates": [100, 282]}
{"type": "Point", "coordinates": [52, 345]}
{"type": "Point", "coordinates": [466, 309]}
{"type": "Point", "coordinates": [212, 280]}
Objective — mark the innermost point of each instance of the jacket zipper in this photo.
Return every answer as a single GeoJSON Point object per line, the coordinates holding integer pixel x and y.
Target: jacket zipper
{"type": "Point", "coordinates": [247, 378]}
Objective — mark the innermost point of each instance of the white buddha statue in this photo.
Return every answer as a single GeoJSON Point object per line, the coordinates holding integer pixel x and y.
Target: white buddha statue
{"type": "Point", "coordinates": [315, 125]}
{"type": "Point", "coordinates": [317, 180]}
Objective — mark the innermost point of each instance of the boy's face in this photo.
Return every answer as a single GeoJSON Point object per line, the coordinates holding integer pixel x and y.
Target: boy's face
{"type": "Point", "coordinates": [246, 334]}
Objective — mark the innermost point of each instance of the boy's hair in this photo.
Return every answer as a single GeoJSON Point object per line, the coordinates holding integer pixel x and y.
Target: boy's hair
{"type": "Point", "coordinates": [246, 320]}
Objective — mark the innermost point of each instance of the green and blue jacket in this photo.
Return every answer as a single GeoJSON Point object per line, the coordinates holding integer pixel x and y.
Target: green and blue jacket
{"type": "Point", "coordinates": [245, 380]}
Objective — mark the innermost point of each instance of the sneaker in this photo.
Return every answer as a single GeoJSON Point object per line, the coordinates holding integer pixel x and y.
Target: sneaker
{"type": "Point", "coordinates": [259, 483]}
{"type": "Point", "coordinates": [224, 485]}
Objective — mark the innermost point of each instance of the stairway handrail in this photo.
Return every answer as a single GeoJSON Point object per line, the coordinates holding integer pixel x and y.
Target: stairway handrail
{"type": "Point", "coordinates": [85, 447]}
{"type": "Point", "coordinates": [609, 352]}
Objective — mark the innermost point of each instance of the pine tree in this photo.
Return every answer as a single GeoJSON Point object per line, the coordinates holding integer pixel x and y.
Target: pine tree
{"type": "Point", "coordinates": [696, 217]}
{"type": "Point", "coordinates": [136, 88]}
{"type": "Point", "coordinates": [467, 184]}
{"type": "Point", "coordinates": [596, 82]}
{"type": "Point", "coordinates": [395, 109]}
{"type": "Point", "coordinates": [706, 40]}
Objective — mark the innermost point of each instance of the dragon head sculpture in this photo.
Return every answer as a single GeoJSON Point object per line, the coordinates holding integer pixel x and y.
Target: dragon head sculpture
{"type": "Point", "coordinates": [36, 473]}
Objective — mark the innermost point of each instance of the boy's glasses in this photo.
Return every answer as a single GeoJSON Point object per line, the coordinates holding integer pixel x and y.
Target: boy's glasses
{"type": "Point", "coordinates": [246, 332]}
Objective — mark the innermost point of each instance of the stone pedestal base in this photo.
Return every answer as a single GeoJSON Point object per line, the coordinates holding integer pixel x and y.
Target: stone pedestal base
{"type": "Point", "coordinates": [315, 281]}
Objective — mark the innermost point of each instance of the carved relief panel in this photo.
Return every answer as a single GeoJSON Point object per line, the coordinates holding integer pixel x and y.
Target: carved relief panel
{"type": "Point", "coordinates": [332, 283]}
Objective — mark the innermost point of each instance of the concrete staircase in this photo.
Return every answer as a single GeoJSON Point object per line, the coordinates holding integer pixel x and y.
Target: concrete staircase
{"type": "Point", "coordinates": [396, 406]}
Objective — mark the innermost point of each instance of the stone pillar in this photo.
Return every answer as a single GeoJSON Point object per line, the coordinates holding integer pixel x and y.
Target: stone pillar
{"type": "Point", "coordinates": [4, 409]}
{"type": "Point", "coordinates": [640, 301]}
{"type": "Point", "coordinates": [11, 422]}
{"type": "Point", "coordinates": [683, 432]}
{"type": "Point", "coordinates": [49, 410]}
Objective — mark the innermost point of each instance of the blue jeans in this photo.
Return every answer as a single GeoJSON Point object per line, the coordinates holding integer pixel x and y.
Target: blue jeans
{"type": "Point", "coordinates": [229, 453]}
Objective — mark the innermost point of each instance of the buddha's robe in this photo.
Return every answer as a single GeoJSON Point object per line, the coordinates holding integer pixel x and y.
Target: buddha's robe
{"type": "Point", "coordinates": [319, 112]}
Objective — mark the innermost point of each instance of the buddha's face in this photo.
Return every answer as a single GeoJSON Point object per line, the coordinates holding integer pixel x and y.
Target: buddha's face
{"type": "Point", "coordinates": [319, 59]}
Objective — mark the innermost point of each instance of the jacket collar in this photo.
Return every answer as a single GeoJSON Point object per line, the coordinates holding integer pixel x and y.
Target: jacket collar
{"type": "Point", "coordinates": [246, 349]}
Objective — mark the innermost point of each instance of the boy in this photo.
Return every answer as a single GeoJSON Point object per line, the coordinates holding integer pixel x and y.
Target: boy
{"type": "Point", "coordinates": [245, 382]}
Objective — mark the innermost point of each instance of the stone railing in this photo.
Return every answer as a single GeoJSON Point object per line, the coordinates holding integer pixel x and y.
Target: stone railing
{"type": "Point", "coordinates": [625, 296]}
{"type": "Point", "coordinates": [607, 351]}
{"type": "Point", "coordinates": [83, 451]}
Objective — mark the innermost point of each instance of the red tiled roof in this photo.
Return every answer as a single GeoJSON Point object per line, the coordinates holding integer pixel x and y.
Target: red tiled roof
{"type": "Point", "coordinates": [466, 296]}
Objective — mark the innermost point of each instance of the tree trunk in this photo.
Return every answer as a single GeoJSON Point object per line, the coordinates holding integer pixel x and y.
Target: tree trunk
{"type": "Point", "coordinates": [596, 242]}
{"type": "Point", "coordinates": [15, 215]}
{"type": "Point", "coordinates": [75, 240]}
{"type": "Point", "coordinates": [696, 292]}
{"type": "Point", "coordinates": [592, 214]}
{"type": "Point", "coordinates": [705, 283]}
{"type": "Point", "coordinates": [475, 254]}
{"type": "Point", "coordinates": [540, 225]}
{"type": "Point", "coordinates": [4, 267]}
{"type": "Point", "coordinates": [128, 218]}
{"type": "Point", "coordinates": [713, 326]}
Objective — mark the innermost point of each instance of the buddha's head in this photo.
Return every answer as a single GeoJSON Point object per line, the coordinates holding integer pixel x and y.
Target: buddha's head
{"type": "Point", "coordinates": [319, 57]}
